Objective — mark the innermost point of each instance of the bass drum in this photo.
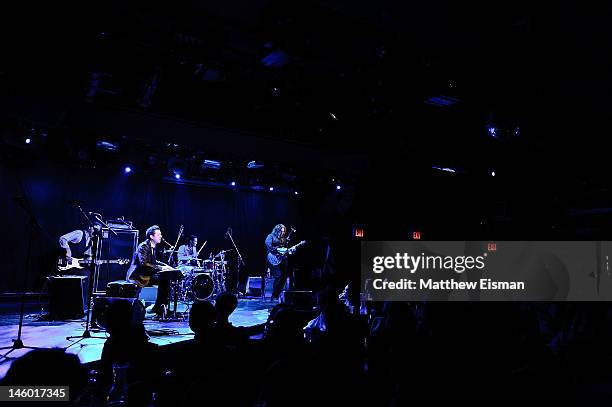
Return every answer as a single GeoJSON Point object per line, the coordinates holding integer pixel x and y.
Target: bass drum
{"type": "Point", "coordinates": [202, 286]}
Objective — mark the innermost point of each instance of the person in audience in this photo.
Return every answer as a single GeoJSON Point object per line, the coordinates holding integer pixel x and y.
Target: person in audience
{"type": "Point", "coordinates": [227, 333]}
{"type": "Point", "coordinates": [48, 367]}
{"type": "Point", "coordinates": [128, 345]}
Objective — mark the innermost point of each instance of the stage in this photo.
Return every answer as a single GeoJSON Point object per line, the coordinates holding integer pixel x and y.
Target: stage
{"type": "Point", "coordinates": [53, 334]}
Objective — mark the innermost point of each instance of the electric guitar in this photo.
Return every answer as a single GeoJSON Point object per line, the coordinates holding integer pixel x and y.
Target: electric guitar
{"type": "Point", "coordinates": [276, 259]}
{"type": "Point", "coordinates": [63, 265]}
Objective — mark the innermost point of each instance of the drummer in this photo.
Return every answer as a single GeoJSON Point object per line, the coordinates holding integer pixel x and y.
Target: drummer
{"type": "Point", "coordinates": [188, 253]}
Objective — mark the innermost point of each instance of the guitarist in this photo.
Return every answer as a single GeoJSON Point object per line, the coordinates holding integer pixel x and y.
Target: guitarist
{"type": "Point", "coordinates": [78, 244]}
{"type": "Point", "coordinates": [275, 240]}
{"type": "Point", "coordinates": [144, 268]}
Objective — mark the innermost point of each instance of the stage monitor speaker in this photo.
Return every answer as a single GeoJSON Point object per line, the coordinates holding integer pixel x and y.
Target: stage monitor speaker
{"type": "Point", "coordinates": [67, 296]}
{"type": "Point", "coordinates": [253, 287]}
{"type": "Point", "coordinates": [101, 305]}
{"type": "Point", "coordinates": [300, 300]}
{"type": "Point", "coordinates": [114, 248]}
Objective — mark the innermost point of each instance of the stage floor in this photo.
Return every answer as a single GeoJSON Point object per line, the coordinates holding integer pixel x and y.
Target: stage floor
{"type": "Point", "coordinates": [52, 334]}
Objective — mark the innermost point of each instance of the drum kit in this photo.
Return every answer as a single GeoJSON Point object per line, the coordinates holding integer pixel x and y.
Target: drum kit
{"type": "Point", "coordinates": [202, 282]}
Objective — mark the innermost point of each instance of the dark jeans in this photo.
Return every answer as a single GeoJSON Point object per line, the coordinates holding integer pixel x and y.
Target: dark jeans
{"type": "Point", "coordinates": [280, 278]}
{"type": "Point", "coordinates": [163, 292]}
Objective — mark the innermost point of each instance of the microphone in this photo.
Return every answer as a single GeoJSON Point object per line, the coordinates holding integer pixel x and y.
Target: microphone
{"type": "Point", "coordinates": [228, 232]}
{"type": "Point", "coordinates": [166, 242]}
{"type": "Point", "coordinates": [293, 229]}
{"type": "Point", "coordinates": [74, 202]}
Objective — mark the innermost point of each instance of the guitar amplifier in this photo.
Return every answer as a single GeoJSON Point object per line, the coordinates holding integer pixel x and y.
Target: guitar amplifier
{"type": "Point", "coordinates": [114, 247]}
{"type": "Point", "coordinates": [67, 297]}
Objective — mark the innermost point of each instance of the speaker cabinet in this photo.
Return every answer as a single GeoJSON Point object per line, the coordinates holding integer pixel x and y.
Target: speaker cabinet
{"type": "Point", "coordinates": [112, 249]}
{"type": "Point", "coordinates": [67, 297]}
{"type": "Point", "coordinates": [253, 287]}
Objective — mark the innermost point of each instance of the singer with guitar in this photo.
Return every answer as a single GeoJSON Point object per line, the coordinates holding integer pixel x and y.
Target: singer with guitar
{"type": "Point", "coordinates": [276, 244]}
{"type": "Point", "coordinates": [145, 269]}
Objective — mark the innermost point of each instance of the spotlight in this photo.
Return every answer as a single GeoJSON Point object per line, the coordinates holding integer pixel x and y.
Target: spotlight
{"type": "Point", "coordinates": [445, 169]}
{"type": "Point", "coordinates": [28, 141]}
{"type": "Point", "coordinates": [296, 193]}
{"type": "Point", "coordinates": [178, 166]}
{"type": "Point", "coordinates": [338, 187]}
{"type": "Point", "coordinates": [105, 145]}
{"type": "Point", "coordinates": [211, 164]}
{"type": "Point", "coordinates": [492, 132]}
{"type": "Point", "coordinates": [233, 183]}
{"type": "Point", "coordinates": [492, 173]}
{"type": "Point", "coordinates": [252, 165]}
{"type": "Point", "coordinates": [127, 170]}
{"type": "Point", "coordinates": [271, 189]}
{"type": "Point", "coordinates": [333, 116]}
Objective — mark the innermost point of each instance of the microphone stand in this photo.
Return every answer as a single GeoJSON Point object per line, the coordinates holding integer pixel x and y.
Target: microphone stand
{"type": "Point", "coordinates": [18, 343]}
{"type": "Point", "coordinates": [95, 248]}
{"type": "Point", "coordinates": [286, 260]}
{"type": "Point", "coordinates": [240, 261]}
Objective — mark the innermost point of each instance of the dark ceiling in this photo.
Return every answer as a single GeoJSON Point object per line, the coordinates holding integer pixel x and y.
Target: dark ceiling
{"type": "Point", "coordinates": [346, 76]}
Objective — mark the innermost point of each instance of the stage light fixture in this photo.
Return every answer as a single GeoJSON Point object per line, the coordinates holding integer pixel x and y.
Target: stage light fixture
{"type": "Point", "coordinates": [252, 165]}
{"type": "Point", "coordinates": [127, 170]}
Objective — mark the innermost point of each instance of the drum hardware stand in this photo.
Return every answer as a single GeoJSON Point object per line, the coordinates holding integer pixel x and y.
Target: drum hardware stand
{"type": "Point", "coordinates": [94, 260]}
{"type": "Point", "coordinates": [240, 261]}
{"type": "Point", "coordinates": [180, 233]}
{"type": "Point", "coordinates": [175, 318]}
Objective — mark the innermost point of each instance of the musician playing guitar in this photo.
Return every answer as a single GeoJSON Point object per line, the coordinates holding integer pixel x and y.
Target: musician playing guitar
{"type": "Point", "coordinates": [276, 243]}
{"type": "Point", "coordinates": [77, 243]}
{"type": "Point", "coordinates": [145, 269]}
